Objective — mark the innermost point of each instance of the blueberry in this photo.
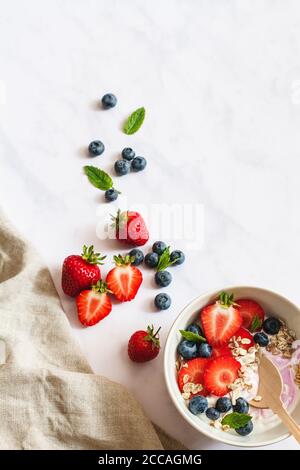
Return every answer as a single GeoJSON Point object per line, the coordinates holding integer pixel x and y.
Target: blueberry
{"type": "Point", "coordinates": [111, 195]}
{"type": "Point", "coordinates": [204, 350]}
{"type": "Point", "coordinates": [261, 339]}
{"type": "Point", "coordinates": [96, 148]}
{"type": "Point", "coordinates": [187, 349]}
{"type": "Point", "coordinates": [223, 404]}
{"type": "Point", "coordinates": [138, 256]}
{"type": "Point", "coordinates": [245, 430]}
{"type": "Point", "coordinates": [241, 406]}
{"type": "Point", "coordinates": [178, 256]}
{"type": "Point", "coordinates": [271, 325]}
{"type": "Point", "coordinates": [109, 101]}
{"type": "Point", "coordinates": [163, 278]}
{"type": "Point", "coordinates": [162, 301]}
{"type": "Point", "coordinates": [122, 167]}
{"type": "Point", "coordinates": [212, 413]}
{"type": "Point", "coordinates": [128, 153]}
{"type": "Point", "coordinates": [198, 405]}
{"type": "Point", "coordinates": [151, 260]}
{"type": "Point", "coordinates": [193, 328]}
{"type": "Point", "coordinates": [138, 164]}
{"type": "Point", "coordinates": [159, 247]}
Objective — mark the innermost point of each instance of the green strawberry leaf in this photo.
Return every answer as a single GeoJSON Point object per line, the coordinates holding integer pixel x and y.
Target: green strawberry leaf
{"type": "Point", "coordinates": [236, 420]}
{"type": "Point", "coordinates": [226, 300]}
{"type": "Point", "coordinates": [98, 178]}
{"type": "Point", "coordinates": [190, 336]}
{"type": "Point", "coordinates": [256, 324]}
{"type": "Point", "coordinates": [134, 121]}
{"type": "Point", "coordinates": [164, 260]}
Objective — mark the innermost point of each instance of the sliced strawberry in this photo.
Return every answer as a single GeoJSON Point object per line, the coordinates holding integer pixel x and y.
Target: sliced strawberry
{"type": "Point", "coordinates": [124, 280]}
{"type": "Point", "coordinates": [221, 373]}
{"type": "Point", "coordinates": [220, 320]}
{"type": "Point", "coordinates": [194, 372]}
{"type": "Point", "coordinates": [252, 313]}
{"type": "Point", "coordinates": [221, 351]}
{"type": "Point", "coordinates": [93, 305]}
{"type": "Point", "coordinates": [244, 334]}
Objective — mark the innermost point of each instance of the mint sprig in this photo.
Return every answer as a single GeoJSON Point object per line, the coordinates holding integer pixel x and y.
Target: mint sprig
{"type": "Point", "coordinates": [256, 324]}
{"type": "Point", "coordinates": [134, 121]}
{"type": "Point", "coordinates": [190, 336]}
{"type": "Point", "coordinates": [236, 420]}
{"type": "Point", "coordinates": [164, 260]}
{"type": "Point", "coordinates": [98, 177]}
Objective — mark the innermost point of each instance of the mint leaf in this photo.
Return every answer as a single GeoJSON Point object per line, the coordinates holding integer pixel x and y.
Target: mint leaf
{"type": "Point", "coordinates": [190, 336]}
{"type": "Point", "coordinates": [236, 420]}
{"type": "Point", "coordinates": [134, 121]}
{"type": "Point", "coordinates": [164, 260]}
{"type": "Point", "coordinates": [98, 178]}
{"type": "Point", "coordinates": [256, 324]}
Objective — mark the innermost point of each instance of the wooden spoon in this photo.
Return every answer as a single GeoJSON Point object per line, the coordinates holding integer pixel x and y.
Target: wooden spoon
{"type": "Point", "coordinates": [269, 389]}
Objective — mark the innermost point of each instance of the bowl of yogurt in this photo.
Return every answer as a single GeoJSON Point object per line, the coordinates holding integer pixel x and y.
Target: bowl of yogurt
{"type": "Point", "coordinates": [211, 363]}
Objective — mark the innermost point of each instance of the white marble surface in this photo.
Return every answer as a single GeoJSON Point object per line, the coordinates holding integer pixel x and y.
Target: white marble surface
{"type": "Point", "coordinates": [221, 85]}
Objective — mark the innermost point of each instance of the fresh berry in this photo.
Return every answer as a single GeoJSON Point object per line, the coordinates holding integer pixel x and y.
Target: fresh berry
{"type": "Point", "coordinates": [138, 164]}
{"type": "Point", "coordinates": [96, 148]}
{"type": "Point", "coordinates": [122, 167]}
{"type": "Point", "coordinates": [271, 326]}
{"type": "Point", "coordinates": [144, 346]}
{"type": "Point", "coordinates": [80, 272]}
{"type": "Point", "coordinates": [109, 101]}
{"type": "Point", "coordinates": [220, 320]}
{"type": "Point", "coordinates": [193, 373]}
{"type": "Point", "coordinates": [128, 153]}
{"type": "Point", "coordinates": [151, 260]}
{"type": "Point", "coordinates": [241, 406]}
{"type": "Point", "coordinates": [162, 301]}
{"type": "Point", "coordinates": [93, 305]}
{"type": "Point", "coordinates": [204, 350]}
{"type": "Point", "coordinates": [198, 404]}
{"type": "Point", "coordinates": [124, 280]}
{"type": "Point", "coordinates": [187, 349]}
{"type": "Point", "coordinates": [245, 430]}
{"type": "Point", "coordinates": [137, 256]}
{"type": "Point", "coordinates": [223, 404]}
{"type": "Point", "coordinates": [194, 328]}
{"type": "Point", "coordinates": [159, 247]}
{"type": "Point", "coordinates": [221, 351]}
{"type": "Point", "coordinates": [244, 334]}
{"type": "Point", "coordinates": [261, 339]}
{"type": "Point", "coordinates": [131, 228]}
{"type": "Point", "coordinates": [212, 413]}
{"type": "Point", "coordinates": [163, 278]}
{"type": "Point", "coordinates": [177, 257]}
{"type": "Point", "coordinates": [221, 373]}
{"type": "Point", "coordinates": [251, 313]}
{"type": "Point", "coordinates": [111, 195]}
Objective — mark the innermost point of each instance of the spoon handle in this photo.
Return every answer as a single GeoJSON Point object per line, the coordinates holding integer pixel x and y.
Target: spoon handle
{"type": "Point", "coordinates": [289, 422]}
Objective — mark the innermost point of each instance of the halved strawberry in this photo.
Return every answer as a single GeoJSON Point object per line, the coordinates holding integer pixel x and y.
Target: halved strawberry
{"type": "Point", "coordinates": [220, 320]}
{"type": "Point", "coordinates": [194, 372]}
{"type": "Point", "coordinates": [124, 280]}
{"type": "Point", "coordinates": [242, 333]}
{"type": "Point", "coordinates": [221, 372]}
{"type": "Point", "coordinates": [93, 305]}
{"type": "Point", "coordinates": [252, 313]}
{"type": "Point", "coordinates": [221, 351]}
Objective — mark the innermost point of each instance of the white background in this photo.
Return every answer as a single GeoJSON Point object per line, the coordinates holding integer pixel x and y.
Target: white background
{"type": "Point", "coordinates": [221, 84]}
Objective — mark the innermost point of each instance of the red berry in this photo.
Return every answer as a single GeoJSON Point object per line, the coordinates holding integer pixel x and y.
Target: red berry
{"type": "Point", "coordinates": [221, 351]}
{"type": "Point", "coordinates": [252, 313]}
{"type": "Point", "coordinates": [93, 305]}
{"type": "Point", "coordinates": [144, 346]}
{"type": "Point", "coordinates": [124, 280]}
{"type": "Point", "coordinates": [221, 373]}
{"type": "Point", "coordinates": [242, 333]}
{"type": "Point", "coordinates": [193, 373]}
{"type": "Point", "coordinates": [131, 228]}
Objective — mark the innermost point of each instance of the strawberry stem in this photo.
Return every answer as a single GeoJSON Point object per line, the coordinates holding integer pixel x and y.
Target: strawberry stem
{"type": "Point", "coordinates": [101, 287]}
{"type": "Point", "coordinates": [226, 300]}
{"type": "Point", "coordinates": [91, 257]}
{"type": "Point", "coordinates": [123, 260]}
{"type": "Point", "coordinates": [153, 336]}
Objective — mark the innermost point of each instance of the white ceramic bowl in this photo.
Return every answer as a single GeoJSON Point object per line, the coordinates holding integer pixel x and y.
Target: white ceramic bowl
{"type": "Point", "coordinates": [273, 304]}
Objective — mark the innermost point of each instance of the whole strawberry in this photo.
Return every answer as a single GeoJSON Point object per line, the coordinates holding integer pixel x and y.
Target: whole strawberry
{"type": "Point", "coordinates": [80, 272]}
{"type": "Point", "coordinates": [144, 346]}
{"type": "Point", "coordinates": [130, 228]}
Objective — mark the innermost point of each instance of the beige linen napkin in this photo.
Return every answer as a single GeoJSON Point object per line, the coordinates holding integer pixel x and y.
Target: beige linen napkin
{"type": "Point", "coordinates": [49, 397]}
